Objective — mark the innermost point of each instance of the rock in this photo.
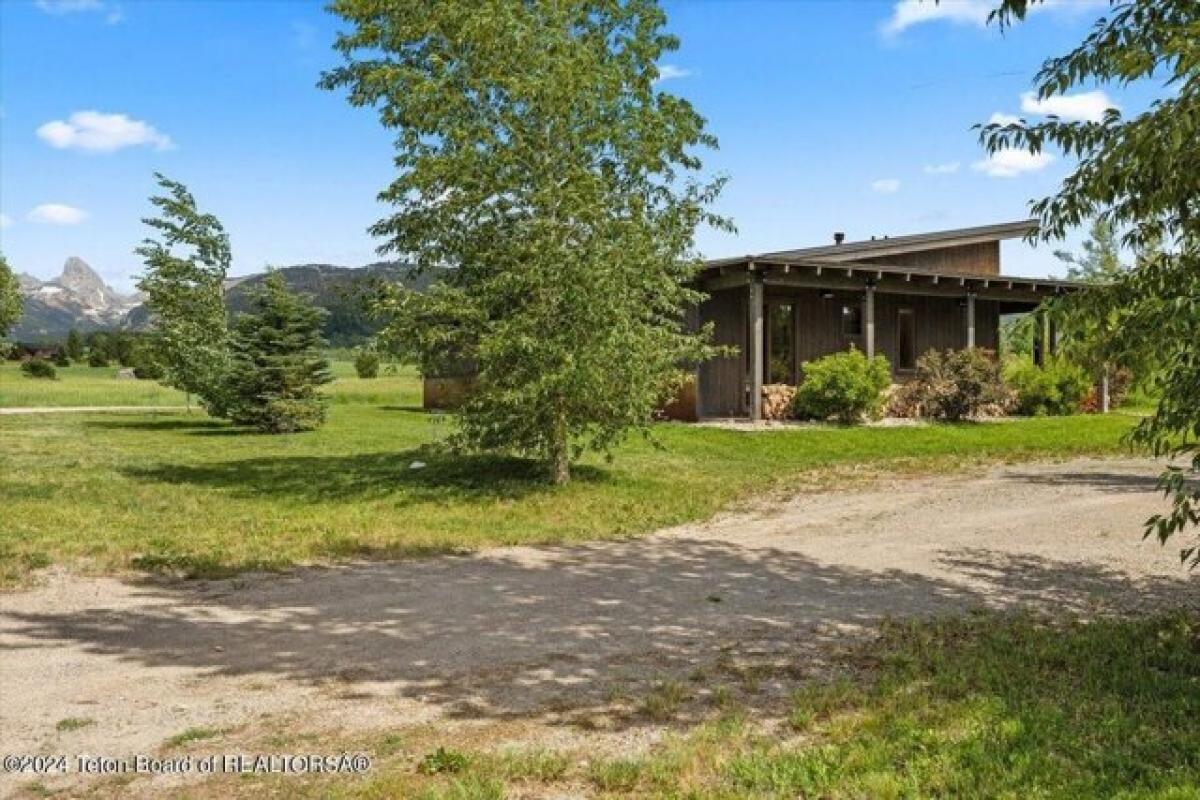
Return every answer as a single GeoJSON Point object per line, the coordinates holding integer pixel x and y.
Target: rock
{"type": "Point", "coordinates": [126, 374]}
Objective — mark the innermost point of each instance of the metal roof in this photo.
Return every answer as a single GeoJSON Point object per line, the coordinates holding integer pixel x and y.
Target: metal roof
{"type": "Point", "coordinates": [912, 243]}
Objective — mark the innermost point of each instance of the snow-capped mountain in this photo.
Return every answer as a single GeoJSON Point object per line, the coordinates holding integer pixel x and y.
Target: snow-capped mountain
{"type": "Point", "coordinates": [77, 298]}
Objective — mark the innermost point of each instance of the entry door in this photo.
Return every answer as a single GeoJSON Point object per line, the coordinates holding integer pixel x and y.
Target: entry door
{"type": "Point", "coordinates": [906, 339]}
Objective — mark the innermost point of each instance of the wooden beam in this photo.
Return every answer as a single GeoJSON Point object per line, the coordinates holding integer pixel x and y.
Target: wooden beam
{"type": "Point", "coordinates": [970, 320]}
{"type": "Point", "coordinates": [756, 347]}
{"type": "Point", "coordinates": [869, 328]}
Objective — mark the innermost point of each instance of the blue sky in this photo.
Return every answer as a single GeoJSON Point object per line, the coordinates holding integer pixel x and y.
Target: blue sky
{"type": "Point", "coordinates": [850, 115]}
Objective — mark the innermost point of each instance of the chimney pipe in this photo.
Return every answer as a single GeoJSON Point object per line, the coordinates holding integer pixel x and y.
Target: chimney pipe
{"type": "Point", "coordinates": [839, 237]}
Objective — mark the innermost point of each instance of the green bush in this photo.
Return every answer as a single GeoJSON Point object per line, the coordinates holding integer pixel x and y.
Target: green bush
{"type": "Point", "coordinates": [954, 385]}
{"type": "Point", "coordinates": [61, 359]}
{"type": "Point", "coordinates": [366, 363]}
{"type": "Point", "coordinates": [843, 386]}
{"type": "Point", "coordinates": [39, 368]}
{"type": "Point", "coordinates": [97, 358]}
{"type": "Point", "coordinates": [1057, 388]}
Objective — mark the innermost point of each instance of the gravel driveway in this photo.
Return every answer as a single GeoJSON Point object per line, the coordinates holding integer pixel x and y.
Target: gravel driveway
{"type": "Point", "coordinates": [512, 632]}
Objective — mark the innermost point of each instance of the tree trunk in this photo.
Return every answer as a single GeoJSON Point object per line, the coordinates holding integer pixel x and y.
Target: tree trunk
{"type": "Point", "coordinates": [1105, 402]}
{"type": "Point", "coordinates": [560, 462]}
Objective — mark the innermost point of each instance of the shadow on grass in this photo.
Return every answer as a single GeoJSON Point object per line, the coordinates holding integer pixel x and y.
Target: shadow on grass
{"type": "Point", "coordinates": [202, 426]}
{"type": "Point", "coordinates": [318, 478]}
{"type": "Point", "coordinates": [561, 629]}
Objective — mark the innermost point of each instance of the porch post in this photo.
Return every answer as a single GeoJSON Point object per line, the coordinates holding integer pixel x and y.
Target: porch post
{"type": "Point", "coordinates": [970, 320]}
{"type": "Point", "coordinates": [1040, 338]}
{"type": "Point", "coordinates": [756, 345]}
{"type": "Point", "coordinates": [869, 343]}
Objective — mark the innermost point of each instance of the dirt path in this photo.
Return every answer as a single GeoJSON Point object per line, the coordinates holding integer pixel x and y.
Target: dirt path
{"type": "Point", "coordinates": [518, 633]}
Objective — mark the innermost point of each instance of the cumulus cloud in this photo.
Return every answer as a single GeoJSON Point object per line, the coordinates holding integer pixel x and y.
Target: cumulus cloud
{"type": "Point", "coordinates": [57, 214]}
{"type": "Point", "coordinates": [1089, 106]}
{"type": "Point", "coordinates": [668, 72]}
{"type": "Point", "coordinates": [907, 13]}
{"type": "Point", "coordinates": [1000, 118]}
{"type": "Point", "coordinates": [5, 221]}
{"type": "Point", "coordinates": [98, 132]}
{"type": "Point", "coordinates": [885, 186]}
{"type": "Point", "coordinates": [942, 169]}
{"type": "Point", "coordinates": [1009, 163]}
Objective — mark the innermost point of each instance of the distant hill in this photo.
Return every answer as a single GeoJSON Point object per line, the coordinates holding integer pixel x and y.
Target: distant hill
{"type": "Point", "coordinates": [81, 300]}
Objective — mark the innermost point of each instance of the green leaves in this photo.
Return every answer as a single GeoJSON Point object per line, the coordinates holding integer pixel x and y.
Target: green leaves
{"type": "Point", "coordinates": [10, 299]}
{"type": "Point", "coordinates": [183, 284]}
{"type": "Point", "coordinates": [1141, 176]}
{"type": "Point", "coordinates": [536, 157]}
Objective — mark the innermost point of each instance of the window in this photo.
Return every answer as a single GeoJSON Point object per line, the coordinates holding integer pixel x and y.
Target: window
{"type": "Point", "coordinates": [906, 339]}
{"type": "Point", "coordinates": [780, 337]}
{"type": "Point", "coordinates": [852, 320]}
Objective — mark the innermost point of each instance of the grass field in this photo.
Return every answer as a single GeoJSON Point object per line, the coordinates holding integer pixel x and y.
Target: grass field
{"type": "Point", "coordinates": [184, 492]}
{"type": "Point", "coordinates": [981, 706]}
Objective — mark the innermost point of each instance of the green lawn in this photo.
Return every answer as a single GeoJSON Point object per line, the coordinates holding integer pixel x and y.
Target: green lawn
{"type": "Point", "coordinates": [81, 386]}
{"type": "Point", "coordinates": [184, 492]}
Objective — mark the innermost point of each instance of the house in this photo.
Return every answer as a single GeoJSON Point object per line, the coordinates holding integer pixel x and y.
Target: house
{"type": "Point", "coordinates": [896, 296]}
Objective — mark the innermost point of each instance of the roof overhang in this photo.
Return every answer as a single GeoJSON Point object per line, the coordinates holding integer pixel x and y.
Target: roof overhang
{"type": "Point", "coordinates": [856, 276]}
{"type": "Point", "coordinates": [914, 243]}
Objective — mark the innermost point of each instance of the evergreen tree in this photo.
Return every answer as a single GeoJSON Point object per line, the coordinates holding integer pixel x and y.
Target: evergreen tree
{"type": "Point", "coordinates": [10, 300]}
{"type": "Point", "coordinates": [278, 364]}
{"type": "Point", "coordinates": [74, 345]}
{"type": "Point", "coordinates": [539, 159]}
{"type": "Point", "coordinates": [183, 284]}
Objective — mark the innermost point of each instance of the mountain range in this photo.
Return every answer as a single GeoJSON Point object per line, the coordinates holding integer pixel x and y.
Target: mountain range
{"type": "Point", "coordinates": [79, 298]}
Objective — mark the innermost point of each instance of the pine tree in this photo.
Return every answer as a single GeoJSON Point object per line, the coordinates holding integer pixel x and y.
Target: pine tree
{"type": "Point", "coordinates": [74, 345]}
{"type": "Point", "coordinates": [278, 364]}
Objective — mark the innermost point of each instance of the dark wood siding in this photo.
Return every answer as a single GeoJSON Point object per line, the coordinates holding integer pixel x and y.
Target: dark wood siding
{"type": "Point", "coordinates": [722, 380]}
{"type": "Point", "coordinates": [973, 259]}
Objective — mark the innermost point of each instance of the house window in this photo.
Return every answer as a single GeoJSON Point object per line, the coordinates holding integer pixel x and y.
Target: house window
{"type": "Point", "coordinates": [852, 321]}
{"type": "Point", "coordinates": [906, 339]}
{"type": "Point", "coordinates": [781, 332]}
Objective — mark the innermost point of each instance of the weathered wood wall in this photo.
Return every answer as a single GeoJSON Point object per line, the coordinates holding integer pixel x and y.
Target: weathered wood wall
{"type": "Point", "coordinates": [971, 259]}
{"type": "Point", "coordinates": [722, 390]}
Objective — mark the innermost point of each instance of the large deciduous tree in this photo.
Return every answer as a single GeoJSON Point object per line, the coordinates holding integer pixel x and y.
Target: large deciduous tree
{"type": "Point", "coordinates": [537, 157]}
{"type": "Point", "coordinates": [1141, 175]}
{"type": "Point", "coordinates": [184, 287]}
{"type": "Point", "coordinates": [10, 299]}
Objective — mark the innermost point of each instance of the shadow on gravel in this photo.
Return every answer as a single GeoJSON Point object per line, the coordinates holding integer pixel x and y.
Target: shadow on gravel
{"type": "Point", "coordinates": [517, 633]}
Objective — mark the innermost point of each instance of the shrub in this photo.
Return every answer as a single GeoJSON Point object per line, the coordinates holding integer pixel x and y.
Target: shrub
{"type": "Point", "coordinates": [97, 358]}
{"type": "Point", "coordinates": [843, 386]}
{"type": "Point", "coordinates": [39, 368]}
{"type": "Point", "coordinates": [953, 385]}
{"type": "Point", "coordinates": [61, 359]}
{"type": "Point", "coordinates": [366, 363]}
{"type": "Point", "coordinates": [1055, 389]}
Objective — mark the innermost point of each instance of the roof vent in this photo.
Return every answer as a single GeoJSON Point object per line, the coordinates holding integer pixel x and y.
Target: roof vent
{"type": "Point", "coordinates": [839, 237]}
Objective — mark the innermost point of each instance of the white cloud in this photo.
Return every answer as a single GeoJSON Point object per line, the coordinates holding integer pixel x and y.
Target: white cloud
{"type": "Point", "coordinates": [1009, 163]}
{"type": "Point", "coordinates": [1088, 106]}
{"type": "Point", "coordinates": [5, 221]}
{"type": "Point", "coordinates": [68, 6]}
{"type": "Point", "coordinates": [885, 186]}
{"type": "Point", "coordinates": [101, 133]}
{"type": "Point", "coordinates": [57, 214]}
{"type": "Point", "coordinates": [669, 72]}
{"type": "Point", "coordinates": [948, 168]}
{"type": "Point", "coordinates": [1000, 118]}
{"type": "Point", "coordinates": [907, 13]}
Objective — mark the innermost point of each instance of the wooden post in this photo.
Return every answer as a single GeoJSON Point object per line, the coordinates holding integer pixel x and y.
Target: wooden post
{"type": "Point", "coordinates": [1039, 338]}
{"type": "Point", "coordinates": [1051, 335]}
{"type": "Point", "coordinates": [756, 345]}
{"type": "Point", "coordinates": [1105, 402]}
{"type": "Point", "coordinates": [869, 323]}
{"type": "Point", "coordinates": [970, 320]}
